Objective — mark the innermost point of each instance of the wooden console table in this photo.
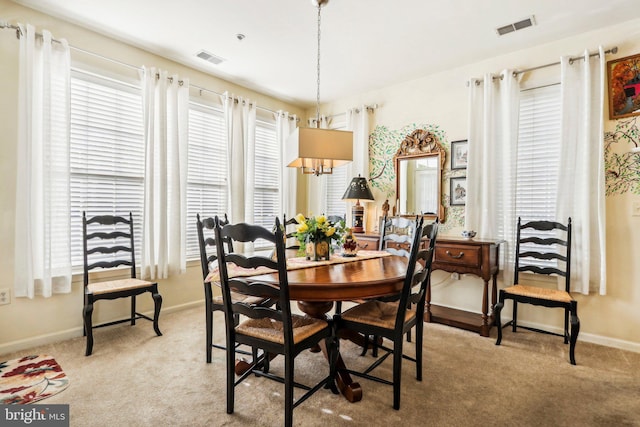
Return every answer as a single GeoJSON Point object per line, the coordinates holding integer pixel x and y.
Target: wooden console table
{"type": "Point", "coordinates": [476, 256]}
{"type": "Point", "coordinates": [479, 257]}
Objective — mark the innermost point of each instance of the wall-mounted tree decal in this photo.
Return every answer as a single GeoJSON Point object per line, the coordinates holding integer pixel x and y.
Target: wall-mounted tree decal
{"type": "Point", "coordinates": [622, 166]}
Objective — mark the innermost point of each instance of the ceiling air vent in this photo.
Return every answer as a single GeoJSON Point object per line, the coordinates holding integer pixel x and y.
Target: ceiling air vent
{"type": "Point", "coordinates": [506, 29]}
{"type": "Point", "coordinates": [210, 57]}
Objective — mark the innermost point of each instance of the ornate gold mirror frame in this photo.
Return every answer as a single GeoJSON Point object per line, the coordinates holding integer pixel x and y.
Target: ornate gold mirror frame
{"type": "Point", "coordinates": [419, 145]}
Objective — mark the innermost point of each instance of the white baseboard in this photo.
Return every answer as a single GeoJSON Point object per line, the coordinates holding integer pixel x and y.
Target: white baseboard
{"type": "Point", "coordinates": [67, 334]}
{"type": "Point", "coordinates": [586, 337]}
{"type": "Point", "coordinates": [583, 336]}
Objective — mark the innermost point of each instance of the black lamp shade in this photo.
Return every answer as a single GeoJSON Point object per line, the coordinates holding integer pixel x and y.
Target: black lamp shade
{"type": "Point", "coordinates": [358, 190]}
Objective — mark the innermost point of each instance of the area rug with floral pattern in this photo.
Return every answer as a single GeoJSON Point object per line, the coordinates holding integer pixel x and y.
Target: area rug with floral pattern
{"type": "Point", "coordinates": [30, 379]}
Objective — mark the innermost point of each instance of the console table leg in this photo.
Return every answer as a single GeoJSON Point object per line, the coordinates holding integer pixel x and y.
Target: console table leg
{"type": "Point", "coordinates": [484, 330]}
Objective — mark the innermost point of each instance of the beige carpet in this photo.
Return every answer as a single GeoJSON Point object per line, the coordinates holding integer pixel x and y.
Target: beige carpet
{"type": "Point", "coordinates": [135, 378]}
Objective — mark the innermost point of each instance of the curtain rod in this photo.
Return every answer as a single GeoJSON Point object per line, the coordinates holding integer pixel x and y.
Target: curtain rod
{"type": "Point", "coordinates": [19, 33]}
{"type": "Point", "coordinates": [370, 108]}
{"type": "Point", "coordinates": [613, 50]}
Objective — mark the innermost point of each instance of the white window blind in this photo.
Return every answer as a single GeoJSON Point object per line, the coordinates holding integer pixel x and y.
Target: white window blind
{"type": "Point", "coordinates": [106, 153]}
{"type": "Point", "coordinates": [337, 184]}
{"type": "Point", "coordinates": [207, 187]}
{"type": "Point", "coordinates": [267, 178]}
{"type": "Point", "coordinates": [538, 153]}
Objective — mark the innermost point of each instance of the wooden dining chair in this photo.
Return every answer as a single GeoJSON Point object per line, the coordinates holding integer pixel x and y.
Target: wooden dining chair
{"type": "Point", "coordinates": [108, 242]}
{"type": "Point", "coordinates": [538, 244]}
{"type": "Point", "coordinates": [396, 237]}
{"type": "Point", "coordinates": [208, 260]}
{"type": "Point", "coordinates": [392, 320]}
{"type": "Point", "coordinates": [274, 329]}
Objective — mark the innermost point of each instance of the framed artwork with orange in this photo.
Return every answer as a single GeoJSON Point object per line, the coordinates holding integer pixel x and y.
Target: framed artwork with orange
{"type": "Point", "coordinates": [624, 87]}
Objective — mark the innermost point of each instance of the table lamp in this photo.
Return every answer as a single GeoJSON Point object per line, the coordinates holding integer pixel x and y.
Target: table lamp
{"type": "Point", "coordinates": [358, 190]}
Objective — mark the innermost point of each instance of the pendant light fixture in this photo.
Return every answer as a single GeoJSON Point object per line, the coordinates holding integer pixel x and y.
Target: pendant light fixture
{"type": "Point", "coordinates": [317, 151]}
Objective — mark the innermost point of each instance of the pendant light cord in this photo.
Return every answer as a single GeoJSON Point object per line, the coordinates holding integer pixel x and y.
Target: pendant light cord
{"type": "Point", "coordinates": [318, 72]}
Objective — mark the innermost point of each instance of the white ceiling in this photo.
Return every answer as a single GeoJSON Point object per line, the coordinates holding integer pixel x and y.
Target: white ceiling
{"type": "Point", "coordinates": [365, 44]}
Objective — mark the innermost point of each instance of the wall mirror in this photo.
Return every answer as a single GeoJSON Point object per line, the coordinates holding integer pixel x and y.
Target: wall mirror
{"type": "Point", "coordinates": [419, 163]}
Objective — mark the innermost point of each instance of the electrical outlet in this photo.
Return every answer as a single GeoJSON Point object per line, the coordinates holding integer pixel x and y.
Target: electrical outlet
{"type": "Point", "coordinates": [635, 209]}
{"type": "Point", "coordinates": [5, 296]}
{"type": "Point", "coordinates": [455, 276]}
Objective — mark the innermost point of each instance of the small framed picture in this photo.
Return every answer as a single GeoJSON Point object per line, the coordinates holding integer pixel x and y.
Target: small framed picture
{"type": "Point", "coordinates": [458, 191]}
{"type": "Point", "coordinates": [624, 87]}
{"type": "Point", "coordinates": [459, 154]}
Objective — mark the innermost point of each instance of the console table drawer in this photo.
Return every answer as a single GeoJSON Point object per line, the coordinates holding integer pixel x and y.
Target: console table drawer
{"type": "Point", "coordinates": [368, 242]}
{"type": "Point", "coordinates": [457, 254]}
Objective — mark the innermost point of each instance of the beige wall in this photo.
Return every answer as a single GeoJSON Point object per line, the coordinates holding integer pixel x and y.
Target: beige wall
{"type": "Point", "coordinates": [441, 99]}
{"type": "Point", "coordinates": [25, 322]}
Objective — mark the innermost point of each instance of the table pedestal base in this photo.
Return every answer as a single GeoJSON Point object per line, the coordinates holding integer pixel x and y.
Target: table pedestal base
{"type": "Point", "coordinates": [350, 390]}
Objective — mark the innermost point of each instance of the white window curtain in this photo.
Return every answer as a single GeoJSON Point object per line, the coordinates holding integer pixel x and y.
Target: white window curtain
{"type": "Point", "coordinates": [249, 142]}
{"type": "Point", "coordinates": [581, 179]}
{"type": "Point", "coordinates": [43, 208]}
{"type": "Point", "coordinates": [166, 119]}
{"type": "Point", "coordinates": [317, 185]}
{"type": "Point", "coordinates": [286, 124]}
{"type": "Point", "coordinates": [240, 124]}
{"type": "Point", "coordinates": [491, 174]}
{"type": "Point", "coordinates": [358, 123]}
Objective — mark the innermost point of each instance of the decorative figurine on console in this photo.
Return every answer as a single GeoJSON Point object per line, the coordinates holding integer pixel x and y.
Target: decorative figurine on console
{"type": "Point", "coordinates": [385, 208]}
{"type": "Point", "coordinates": [349, 247]}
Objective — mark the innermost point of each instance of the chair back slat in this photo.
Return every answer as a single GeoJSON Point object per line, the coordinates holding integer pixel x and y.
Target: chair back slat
{"type": "Point", "coordinates": [543, 241]}
{"type": "Point", "coordinates": [108, 220]}
{"type": "Point", "coordinates": [105, 246]}
{"type": "Point", "coordinates": [106, 235]}
{"type": "Point", "coordinates": [545, 225]}
{"type": "Point", "coordinates": [543, 255]}
{"type": "Point", "coordinates": [108, 264]}
{"type": "Point", "coordinates": [108, 249]}
{"type": "Point", "coordinates": [247, 286]}
{"type": "Point", "coordinates": [543, 270]}
{"type": "Point", "coordinates": [257, 311]}
{"type": "Point", "coordinates": [252, 261]}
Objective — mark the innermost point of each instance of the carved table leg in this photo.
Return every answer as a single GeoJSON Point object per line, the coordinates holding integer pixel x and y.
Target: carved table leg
{"type": "Point", "coordinates": [350, 390]}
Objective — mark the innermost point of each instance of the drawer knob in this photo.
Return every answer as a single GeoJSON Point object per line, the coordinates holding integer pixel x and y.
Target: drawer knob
{"type": "Point", "coordinates": [460, 255]}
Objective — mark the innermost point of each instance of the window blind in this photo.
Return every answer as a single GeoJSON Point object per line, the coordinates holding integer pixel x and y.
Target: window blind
{"type": "Point", "coordinates": [207, 187]}
{"type": "Point", "coordinates": [267, 176]}
{"type": "Point", "coordinates": [537, 159]}
{"type": "Point", "coordinates": [106, 154]}
{"type": "Point", "coordinates": [337, 184]}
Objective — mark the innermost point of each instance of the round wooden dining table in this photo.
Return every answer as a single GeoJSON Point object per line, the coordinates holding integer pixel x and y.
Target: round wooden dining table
{"type": "Point", "coordinates": [317, 288]}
